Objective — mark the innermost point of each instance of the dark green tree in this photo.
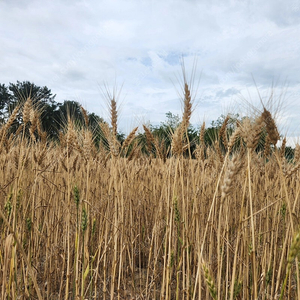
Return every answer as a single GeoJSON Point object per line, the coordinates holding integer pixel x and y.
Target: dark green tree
{"type": "Point", "coordinates": [71, 109]}
{"type": "Point", "coordinates": [50, 117]}
{"type": "Point", "coordinates": [17, 93]}
{"type": "Point", "coordinates": [20, 91]}
{"type": "Point", "coordinates": [54, 115]}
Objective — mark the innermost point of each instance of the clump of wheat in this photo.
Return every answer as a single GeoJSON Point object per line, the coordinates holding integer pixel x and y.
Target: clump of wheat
{"type": "Point", "coordinates": [251, 131]}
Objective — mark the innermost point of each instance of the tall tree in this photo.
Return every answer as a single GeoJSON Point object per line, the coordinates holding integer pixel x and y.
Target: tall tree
{"type": "Point", "coordinates": [53, 115]}
{"type": "Point", "coordinates": [20, 91]}
{"type": "Point", "coordinates": [42, 100]}
{"type": "Point", "coordinates": [71, 109]}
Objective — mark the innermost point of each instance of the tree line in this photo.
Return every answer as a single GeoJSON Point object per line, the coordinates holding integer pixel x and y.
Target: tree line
{"type": "Point", "coordinates": [54, 117]}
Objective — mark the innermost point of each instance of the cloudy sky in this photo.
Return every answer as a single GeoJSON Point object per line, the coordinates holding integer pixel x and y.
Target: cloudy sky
{"type": "Point", "coordinates": [75, 48]}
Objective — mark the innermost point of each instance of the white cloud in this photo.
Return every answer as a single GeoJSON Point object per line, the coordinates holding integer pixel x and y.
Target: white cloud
{"type": "Point", "coordinates": [74, 46]}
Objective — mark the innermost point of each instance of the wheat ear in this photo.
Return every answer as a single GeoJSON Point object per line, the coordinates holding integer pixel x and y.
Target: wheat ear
{"type": "Point", "coordinates": [114, 115]}
{"type": "Point", "coordinates": [270, 126]}
{"type": "Point", "coordinates": [85, 116]}
{"type": "Point", "coordinates": [129, 138]}
{"type": "Point", "coordinates": [282, 149]}
{"type": "Point", "coordinates": [176, 144]}
{"type": "Point", "coordinates": [223, 133]}
{"type": "Point", "coordinates": [12, 118]}
{"type": "Point", "coordinates": [187, 111]}
{"type": "Point", "coordinates": [149, 138]}
{"type": "Point", "coordinates": [26, 110]}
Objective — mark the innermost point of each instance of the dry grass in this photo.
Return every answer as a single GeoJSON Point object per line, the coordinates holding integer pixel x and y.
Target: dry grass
{"type": "Point", "coordinates": [80, 222]}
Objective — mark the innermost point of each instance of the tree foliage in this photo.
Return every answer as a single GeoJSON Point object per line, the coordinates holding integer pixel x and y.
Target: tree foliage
{"type": "Point", "coordinates": [53, 115]}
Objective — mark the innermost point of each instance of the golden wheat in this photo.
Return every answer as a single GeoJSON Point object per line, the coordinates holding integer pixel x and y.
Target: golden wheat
{"type": "Point", "coordinates": [110, 222]}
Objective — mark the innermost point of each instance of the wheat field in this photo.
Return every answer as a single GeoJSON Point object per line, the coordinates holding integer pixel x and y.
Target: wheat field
{"type": "Point", "coordinates": [80, 221]}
